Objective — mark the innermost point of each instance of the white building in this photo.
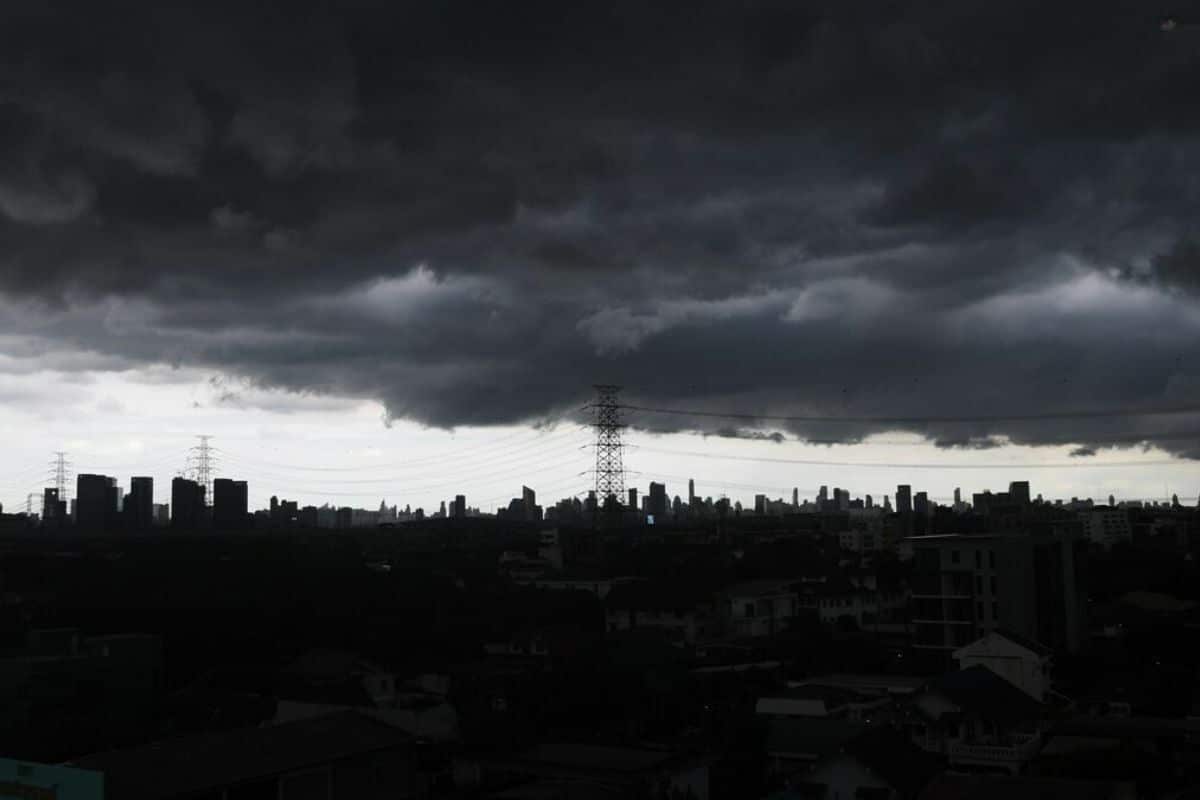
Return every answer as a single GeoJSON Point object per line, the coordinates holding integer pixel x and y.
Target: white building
{"type": "Point", "coordinates": [758, 608]}
{"type": "Point", "coordinates": [1022, 662]}
{"type": "Point", "coordinates": [1106, 526]}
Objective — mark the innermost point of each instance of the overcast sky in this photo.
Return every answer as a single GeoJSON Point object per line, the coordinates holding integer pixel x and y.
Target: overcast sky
{"type": "Point", "coordinates": [370, 250]}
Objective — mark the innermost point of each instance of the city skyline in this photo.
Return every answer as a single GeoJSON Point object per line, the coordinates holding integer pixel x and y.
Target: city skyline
{"type": "Point", "coordinates": [557, 462]}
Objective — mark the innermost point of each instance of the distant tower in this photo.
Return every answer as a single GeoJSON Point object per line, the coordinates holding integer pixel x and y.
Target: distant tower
{"type": "Point", "coordinates": [202, 464]}
{"type": "Point", "coordinates": [610, 469]}
{"type": "Point", "coordinates": [60, 470]}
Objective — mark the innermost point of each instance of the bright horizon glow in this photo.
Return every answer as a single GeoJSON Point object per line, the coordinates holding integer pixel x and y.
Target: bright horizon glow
{"type": "Point", "coordinates": [321, 449]}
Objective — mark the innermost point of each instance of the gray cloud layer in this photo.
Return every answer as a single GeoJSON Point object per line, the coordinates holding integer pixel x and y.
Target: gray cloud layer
{"type": "Point", "coordinates": [474, 211]}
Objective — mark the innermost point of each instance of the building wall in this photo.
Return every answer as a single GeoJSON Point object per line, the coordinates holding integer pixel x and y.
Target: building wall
{"type": "Point", "coordinates": [966, 587]}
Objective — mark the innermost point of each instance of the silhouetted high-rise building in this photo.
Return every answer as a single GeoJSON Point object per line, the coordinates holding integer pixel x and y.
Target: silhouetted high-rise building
{"type": "Point", "coordinates": [230, 504]}
{"type": "Point", "coordinates": [760, 504]}
{"type": "Point", "coordinates": [187, 504]}
{"type": "Point", "coordinates": [460, 505]}
{"type": "Point", "coordinates": [795, 498]}
{"type": "Point", "coordinates": [1018, 493]}
{"type": "Point", "coordinates": [691, 492]}
{"type": "Point", "coordinates": [921, 504]}
{"type": "Point", "coordinates": [658, 500]}
{"type": "Point", "coordinates": [139, 505]}
{"type": "Point", "coordinates": [54, 511]}
{"type": "Point", "coordinates": [345, 517]}
{"type": "Point", "coordinates": [633, 499]}
{"type": "Point", "coordinates": [904, 499]}
{"type": "Point", "coordinates": [868, 501]}
{"type": "Point", "coordinates": [97, 500]}
{"type": "Point", "coordinates": [529, 504]}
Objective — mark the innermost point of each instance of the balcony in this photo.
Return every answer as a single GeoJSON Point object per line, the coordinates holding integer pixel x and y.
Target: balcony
{"type": "Point", "coordinates": [1021, 748]}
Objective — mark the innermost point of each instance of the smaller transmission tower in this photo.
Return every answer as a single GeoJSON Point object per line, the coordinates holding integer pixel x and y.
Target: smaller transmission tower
{"type": "Point", "coordinates": [610, 467]}
{"type": "Point", "coordinates": [201, 464]}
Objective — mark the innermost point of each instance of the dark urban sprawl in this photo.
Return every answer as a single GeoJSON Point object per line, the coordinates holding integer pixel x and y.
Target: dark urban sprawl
{"type": "Point", "coordinates": [830, 646]}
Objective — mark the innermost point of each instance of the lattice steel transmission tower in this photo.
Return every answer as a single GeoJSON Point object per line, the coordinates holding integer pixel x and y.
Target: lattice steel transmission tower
{"type": "Point", "coordinates": [610, 467]}
{"type": "Point", "coordinates": [201, 464]}
{"type": "Point", "coordinates": [60, 472]}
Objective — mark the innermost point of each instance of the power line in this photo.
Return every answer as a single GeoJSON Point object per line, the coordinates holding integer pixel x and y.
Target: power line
{"type": "Point", "coordinates": [925, 465]}
{"type": "Point", "coordinates": [917, 420]}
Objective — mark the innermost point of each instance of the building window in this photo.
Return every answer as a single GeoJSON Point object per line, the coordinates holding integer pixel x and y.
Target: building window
{"type": "Point", "coordinates": [993, 582]}
{"type": "Point", "coordinates": [978, 559]}
{"type": "Point", "coordinates": [995, 611]}
{"type": "Point", "coordinates": [992, 559]}
{"type": "Point", "coordinates": [978, 584]}
{"type": "Point", "coordinates": [979, 609]}
{"type": "Point", "coordinates": [955, 556]}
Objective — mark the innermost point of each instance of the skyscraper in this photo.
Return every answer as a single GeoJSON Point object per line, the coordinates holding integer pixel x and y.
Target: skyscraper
{"type": "Point", "coordinates": [658, 500]}
{"type": "Point", "coordinates": [633, 499]}
{"type": "Point", "coordinates": [460, 504]}
{"type": "Point", "coordinates": [921, 505]}
{"type": "Point", "coordinates": [230, 504]}
{"type": "Point", "coordinates": [187, 504]}
{"type": "Point", "coordinates": [139, 508]}
{"type": "Point", "coordinates": [528, 504]}
{"type": "Point", "coordinates": [96, 502]}
{"type": "Point", "coordinates": [904, 499]}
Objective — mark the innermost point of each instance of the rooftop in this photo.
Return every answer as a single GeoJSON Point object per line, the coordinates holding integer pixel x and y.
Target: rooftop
{"type": "Point", "coordinates": [996, 787]}
{"type": "Point", "coordinates": [193, 764]}
{"type": "Point", "coordinates": [980, 691]}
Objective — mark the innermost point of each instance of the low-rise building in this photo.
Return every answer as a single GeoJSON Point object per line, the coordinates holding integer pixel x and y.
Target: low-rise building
{"type": "Point", "coordinates": [977, 720]}
{"type": "Point", "coordinates": [758, 608]}
{"type": "Point", "coordinates": [330, 756]}
{"type": "Point", "coordinates": [1022, 662]}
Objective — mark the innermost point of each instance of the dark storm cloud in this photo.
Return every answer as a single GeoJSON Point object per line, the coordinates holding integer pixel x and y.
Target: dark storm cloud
{"type": "Point", "coordinates": [472, 212]}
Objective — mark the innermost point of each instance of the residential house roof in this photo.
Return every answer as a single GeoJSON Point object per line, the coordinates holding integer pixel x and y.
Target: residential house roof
{"type": "Point", "coordinates": [998, 787]}
{"type": "Point", "coordinates": [759, 588]}
{"type": "Point", "coordinates": [809, 737]}
{"type": "Point", "coordinates": [983, 692]}
{"type": "Point", "coordinates": [657, 595]}
{"type": "Point", "coordinates": [1029, 644]}
{"type": "Point", "coordinates": [190, 765]}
